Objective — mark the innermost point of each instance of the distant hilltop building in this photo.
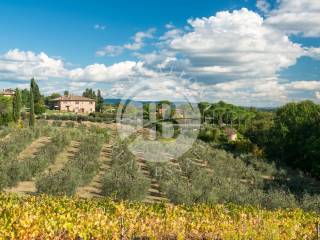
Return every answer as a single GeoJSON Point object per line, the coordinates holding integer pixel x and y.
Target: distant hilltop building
{"type": "Point", "coordinates": [7, 92]}
{"type": "Point", "coordinates": [178, 113]}
{"type": "Point", "coordinates": [72, 103]}
{"type": "Point", "coordinates": [231, 134]}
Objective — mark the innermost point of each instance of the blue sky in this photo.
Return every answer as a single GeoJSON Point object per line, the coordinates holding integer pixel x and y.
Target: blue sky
{"type": "Point", "coordinates": [208, 50]}
{"type": "Point", "coordinates": [62, 28]}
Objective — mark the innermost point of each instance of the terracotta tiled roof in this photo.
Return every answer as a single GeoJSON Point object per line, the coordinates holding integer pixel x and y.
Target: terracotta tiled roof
{"type": "Point", "coordinates": [72, 98]}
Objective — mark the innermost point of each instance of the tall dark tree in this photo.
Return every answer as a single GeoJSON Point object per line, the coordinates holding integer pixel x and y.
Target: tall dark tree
{"type": "Point", "coordinates": [35, 90]}
{"type": "Point", "coordinates": [39, 105]}
{"type": "Point", "coordinates": [31, 117]}
{"type": "Point", "coordinates": [100, 100]}
{"type": "Point", "coordinates": [89, 93]}
{"type": "Point", "coordinates": [16, 106]}
{"type": "Point", "coordinates": [48, 99]}
{"type": "Point", "coordinates": [66, 93]}
{"type": "Point", "coordinates": [5, 110]}
{"type": "Point", "coordinates": [259, 131]}
{"type": "Point", "coordinates": [25, 97]}
{"type": "Point", "coordinates": [165, 110]}
{"type": "Point", "coordinates": [219, 112]}
{"type": "Point", "coordinates": [203, 108]}
{"type": "Point", "coordinates": [294, 138]}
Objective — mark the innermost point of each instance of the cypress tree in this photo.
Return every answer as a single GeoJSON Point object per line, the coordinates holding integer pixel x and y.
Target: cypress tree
{"type": "Point", "coordinates": [99, 104]}
{"type": "Point", "coordinates": [32, 118]}
{"type": "Point", "coordinates": [38, 100]}
{"type": "Point", "coordinates": [89, 93]}
{"type": "Point", "coordinates": [16, 106]}
{"type": "Point", "coordinates": [35, 90]}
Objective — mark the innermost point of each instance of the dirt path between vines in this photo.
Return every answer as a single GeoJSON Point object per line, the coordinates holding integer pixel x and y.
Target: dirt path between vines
{"type": "Point", "coordinates": [29, 187]}
{"type": "Point", "coordinates": [63, 157]}
{"type": "Point", "coordinates": [93, 189]}
{"type": "Point", "coordinates": [33, 148]}
{"type": "Point", "coordinates": [154, 193]}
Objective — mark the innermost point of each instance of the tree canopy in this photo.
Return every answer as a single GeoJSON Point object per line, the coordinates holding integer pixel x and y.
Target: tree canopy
{"type": "Point", "coordinates": [16, 105]}
{"type": "Point", "coordinates": [32, 111]}
{"type": "Point", "coordinates": [38, 99]}
{"type": "Point", "coordinates": [294, 139]}
{"type": "Point", "coordinates": [100, 102]}
{"type": "Point", "coordinates": [5, 110]}
{"type": "Point", "coordinates": [89, 93]}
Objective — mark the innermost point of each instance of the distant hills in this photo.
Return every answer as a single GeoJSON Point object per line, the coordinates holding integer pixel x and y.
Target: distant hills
{"type": "Point", "coordinates": [112, 101]}
{"type": "Point", "coordinates": [115, 101]}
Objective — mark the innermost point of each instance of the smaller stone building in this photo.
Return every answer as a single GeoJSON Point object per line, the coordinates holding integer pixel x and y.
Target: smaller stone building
{"type": "Point", "coordinates": [231, 134]}
{"type": "Point", "coordinates": [72, 103]}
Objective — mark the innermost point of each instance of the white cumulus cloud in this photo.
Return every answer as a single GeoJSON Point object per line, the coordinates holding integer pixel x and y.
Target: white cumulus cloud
{"type": "Point", "coordinates": [303, 85]}
{"type": "Point", "coordinates": [138, 39]}
{"type": "Point", "coordinates": [237, 44]}
{"type": "Point", "coordinates": [102, 73]}
{"type": "Point", "coordinates": [263, 5]}
{"type": "Point", "coordinates": [297, 17]}
{"type": "Point", "coordinates": [20, 65]}
{"type": "Point", "coordinates": [234, 56]}
{"type": "Point", "coordinates": [137, 44]}
{"type": "Point", "coordinates": [110, 50]}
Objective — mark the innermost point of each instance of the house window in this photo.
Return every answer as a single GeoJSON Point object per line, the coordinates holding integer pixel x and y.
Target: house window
{"type": "Point", "coordinates": [77, 102]}
{"type": "Point", "coordinates": [91, 102]}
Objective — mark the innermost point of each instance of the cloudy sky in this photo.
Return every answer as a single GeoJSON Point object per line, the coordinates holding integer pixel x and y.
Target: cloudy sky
{"type": "Point", "coordinates": [247, 52]}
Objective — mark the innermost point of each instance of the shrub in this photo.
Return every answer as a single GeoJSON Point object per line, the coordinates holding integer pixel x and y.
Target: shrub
{"type": "Point", "coordinates": [80, 118]}
{"type": "Point", "coordinates": [70, 124]}
{"type": "Point", "coordinates": [209, 133]}
{"type": "Point", "coordinates": [77, 171]}
{"type": "Point", "coordinates": [241, 180]}
{"type": "Point", "coordinates": [125, 180]}
{"type": "Point", "coordinates": [57, 123]}
{"type": "Point", "coordinates": [12, 170]}
{"type": "Point", "coordinates": [125, 183]}
{"type": "Point", "coordinates": [60, 183]}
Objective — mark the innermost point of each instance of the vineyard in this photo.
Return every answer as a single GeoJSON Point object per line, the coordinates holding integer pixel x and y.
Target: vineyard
{"type": "Point", "coordinates": [68, 218]}
{"type": "Point", "coordinates": [71, 180]}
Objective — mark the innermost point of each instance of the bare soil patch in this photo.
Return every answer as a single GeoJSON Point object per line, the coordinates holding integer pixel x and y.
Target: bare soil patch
{"type": "Point", "coordinates": [33, 148]}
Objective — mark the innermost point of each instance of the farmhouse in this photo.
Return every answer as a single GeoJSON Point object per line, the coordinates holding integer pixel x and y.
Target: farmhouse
{"type": "Point", "coordinates": [7, 92]}
{"type": "Point", "coordinates": [72, 103]}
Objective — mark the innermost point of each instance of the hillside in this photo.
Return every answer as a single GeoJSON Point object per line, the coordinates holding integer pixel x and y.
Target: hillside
{"type": "Point", "coordinates": [204, 174]}
{"type": "Point", "coordinates": [207, 193]}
